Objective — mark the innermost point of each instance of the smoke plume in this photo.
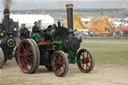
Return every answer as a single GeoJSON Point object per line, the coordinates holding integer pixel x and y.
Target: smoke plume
{"type": "Point", "coordinates": [7, 3]}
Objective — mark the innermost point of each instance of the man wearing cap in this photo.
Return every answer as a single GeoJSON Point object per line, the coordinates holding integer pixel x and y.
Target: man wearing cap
{"type": "Point", "coordinates": [35, 28]}
{"type": "Point", "coordinates": [24, 33]}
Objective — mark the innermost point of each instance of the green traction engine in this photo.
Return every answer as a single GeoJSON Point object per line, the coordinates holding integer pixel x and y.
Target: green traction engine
{"type": "Point", "coordinates": [54, 47]}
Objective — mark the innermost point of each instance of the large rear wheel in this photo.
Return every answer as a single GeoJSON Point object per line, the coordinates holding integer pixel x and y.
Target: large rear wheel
{"type": "Point", "coordinates": [85, 61]}
{"type": "Point", "coordinates": [60, 63]}
{"type": "Point", "coordinates": [28, 56]}
{"type": "Point", "coordinates": [38, 54]}
{"type": "Point", "coordinates": [5, 60]}
{"type": "Point", "coordinates": [15, 55]}
{"type": "Point", "coordinates": [2, 58]}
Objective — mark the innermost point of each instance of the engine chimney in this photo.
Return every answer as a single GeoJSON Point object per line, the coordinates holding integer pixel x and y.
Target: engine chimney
{"type": "Point", "coordinates": [6, 20]}
{"type": "Point", "coordinates": [70, 17]}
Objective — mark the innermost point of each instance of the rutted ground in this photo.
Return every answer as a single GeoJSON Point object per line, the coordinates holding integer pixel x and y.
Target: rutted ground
{"type": "Point", "coordinates": [101, 75]}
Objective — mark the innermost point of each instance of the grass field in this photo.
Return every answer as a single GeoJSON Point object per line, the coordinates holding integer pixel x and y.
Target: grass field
{"type": "Point", "coordinates": [108, 51]}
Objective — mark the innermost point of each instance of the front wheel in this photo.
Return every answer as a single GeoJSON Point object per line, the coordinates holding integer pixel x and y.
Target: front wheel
{"type": "Point", "coordinates": [60, 63]}
{"type": "Point", "coordinates": [85, 61]}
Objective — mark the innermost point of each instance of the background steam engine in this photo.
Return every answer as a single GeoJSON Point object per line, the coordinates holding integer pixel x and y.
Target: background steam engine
{"type": "Point", "coordinates": [8, 23]}
{"type": "Point", "coordinates": [7, 35]}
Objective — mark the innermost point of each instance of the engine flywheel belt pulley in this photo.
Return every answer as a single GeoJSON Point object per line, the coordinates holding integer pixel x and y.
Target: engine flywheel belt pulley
{"type": "Point", "coordinates": [11, 42]}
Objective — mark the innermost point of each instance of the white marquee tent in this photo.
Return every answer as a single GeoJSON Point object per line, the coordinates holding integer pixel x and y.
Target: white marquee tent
{"type": "Point", "coordinates": [29, 19]}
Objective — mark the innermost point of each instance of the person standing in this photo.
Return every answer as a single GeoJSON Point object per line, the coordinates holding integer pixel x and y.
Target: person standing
{"type": "Point", "coordinates": [35, 28]}
{"type": "Point", "coordinates": [24, 33]}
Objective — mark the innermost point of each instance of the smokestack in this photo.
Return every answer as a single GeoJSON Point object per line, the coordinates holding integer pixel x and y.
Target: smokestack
{"type": "Point", "coordinates": [7, 3]}
{"type": "Point", "coordinates": [6, 20]}
{"type": "Point", "coordinates": [70, 17]}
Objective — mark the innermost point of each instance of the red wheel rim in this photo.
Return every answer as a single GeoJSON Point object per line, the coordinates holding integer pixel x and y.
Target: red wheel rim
{"type": "Point", "coordinates": [25, 56]}
{"type": "Point", "coordinates": [59, 64]}
{"type": "Point", "coordinates": [84, 61]}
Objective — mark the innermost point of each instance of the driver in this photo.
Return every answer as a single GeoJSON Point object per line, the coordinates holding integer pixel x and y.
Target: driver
{"type": "Point", "coordinates": [35, 28]}
{"type": "Point", "coordinates": [24, 33]}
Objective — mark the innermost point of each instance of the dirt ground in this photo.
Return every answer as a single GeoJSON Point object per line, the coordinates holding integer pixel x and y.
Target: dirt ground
{"type": "Point", "coordinates": [101, 75]}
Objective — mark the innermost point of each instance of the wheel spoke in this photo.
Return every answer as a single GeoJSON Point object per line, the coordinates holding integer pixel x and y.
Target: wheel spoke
{"type": "Point", "coordinates": [26, 46]}
{"type": "Point", "coordinates": [89, 58]}
{"type": "Point", "coordinates": [87, 54]}
{"type": "Point", "coordinates": [30, 59]}
{"type": "Point", "coordinates": [63, 66]}
{"type": "Point", "coordinates": [61, 62]}
{"type": "Point", "coordinates": [30, 63]}
{"type": "Point", "coordinates": [82, 65]}
{"type": "Point", "coordinates": [23, 62]}
{"type": "Point", "coordinates": [29, 53]}
{"type": "Point", "coordinates": [24, 66]}
{"type": "Point", "coordinates": [87, 66]}
{"type": "Point", "coordinates": [59, 70]}
{"type": "Point", "coordinates": [21, 54]}
{"type": "Point", "coordinates": [83, 54]}
{"type": "Point", "coordinates": [28, 50]}
{"type": "Point", "coordinates": [22, 47]}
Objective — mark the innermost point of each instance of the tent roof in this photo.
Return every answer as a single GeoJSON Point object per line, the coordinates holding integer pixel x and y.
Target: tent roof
{"type": "Point", "coordinates": [29, 18]}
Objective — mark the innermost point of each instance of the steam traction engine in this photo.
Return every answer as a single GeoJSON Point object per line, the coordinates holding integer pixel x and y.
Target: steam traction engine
{"type": "Point", "coordinates": [55, 48]}
{"type": "Point", "coordinates": [8, 42]}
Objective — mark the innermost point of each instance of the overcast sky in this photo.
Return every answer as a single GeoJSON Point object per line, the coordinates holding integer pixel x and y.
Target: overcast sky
{"type": "Point", "coordinates": [55, 4]}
